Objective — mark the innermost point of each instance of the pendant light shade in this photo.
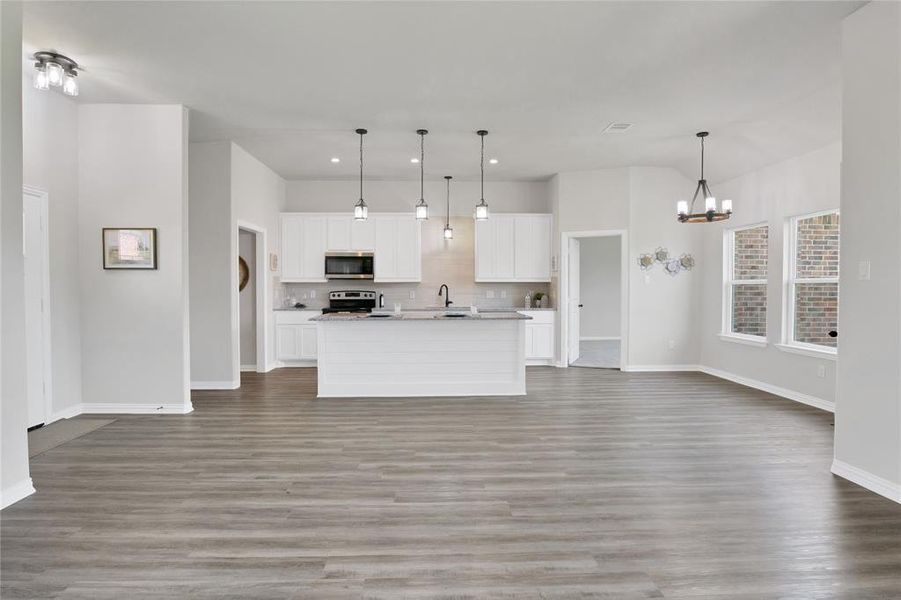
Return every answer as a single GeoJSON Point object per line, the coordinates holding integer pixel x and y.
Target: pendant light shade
{"type": "Point", "coordinates": [448, 230]}
{"type": "Point", "coordinates": [684, 210]}
{"type": "Point", "coordinates": [422, 209]}
{"type": "Point", "coordinates": [361, 210]}
{"type": "Point", "coordinates": [482, 206]}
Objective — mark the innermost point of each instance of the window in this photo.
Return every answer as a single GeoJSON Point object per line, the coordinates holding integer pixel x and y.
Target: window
{"type": "Point", "coordinates": [812, 290]}
{"type": "Point", "coordinates": [744, 306]}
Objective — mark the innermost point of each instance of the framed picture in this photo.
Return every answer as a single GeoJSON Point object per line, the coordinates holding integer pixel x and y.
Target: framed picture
{"type": "Point", "coordinates": [129, 248]}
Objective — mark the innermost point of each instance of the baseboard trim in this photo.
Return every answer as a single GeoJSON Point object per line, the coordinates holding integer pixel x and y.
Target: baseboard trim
{"type": "Point", "coordinates": [772, 389]}
{"type": "Point", "coordinates": [215, 385]}
{"type": "Point", "coordinates": [593, 338]}
{"type": "Point", "coordinates": [659, 368]}
{"type": "Point", "coordinates": [867, 480]}
{"type": "Point", "coordinates": [66, 413]}
{"type": "Point", "coordinates": [16, 492]}
{"type": "Point", "coordinates": [248, 368]}
{"type": "Point", "coordinates": [136, 409]}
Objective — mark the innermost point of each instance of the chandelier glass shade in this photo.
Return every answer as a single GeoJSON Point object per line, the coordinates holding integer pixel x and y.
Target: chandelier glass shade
{"type": "Point", "coordinates": [686, 212]}
{"type": "Point", "coordinates": [448, 230]}
{"type": "Point", "coordinates": [482, 206]}
{"type": "Point", "coordinates": [422, 208]}
{"type": "Point", "coordinates": [361, 210]}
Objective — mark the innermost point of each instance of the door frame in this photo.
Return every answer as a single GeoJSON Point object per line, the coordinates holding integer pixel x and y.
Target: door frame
{"type": "Point", "coordinates": [43, 198]}
{"type": "Point", "coordinates": [261, 253]}
{"type": "Point", "coordinates": [565, 236]}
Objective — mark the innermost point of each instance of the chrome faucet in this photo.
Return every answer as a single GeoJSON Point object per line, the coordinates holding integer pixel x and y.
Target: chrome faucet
{"type": "Point", "coordinates": [446, 294]}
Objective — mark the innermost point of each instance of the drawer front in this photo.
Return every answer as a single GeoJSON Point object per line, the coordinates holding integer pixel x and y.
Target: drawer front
{"type": "Point", "coordinates": [295, 317]}
{"type": "Point", "coordinates": [539, 316]}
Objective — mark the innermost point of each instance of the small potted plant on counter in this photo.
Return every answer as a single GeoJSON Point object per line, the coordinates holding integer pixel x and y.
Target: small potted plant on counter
{"type": "Point", "coordinates": [540, 299]}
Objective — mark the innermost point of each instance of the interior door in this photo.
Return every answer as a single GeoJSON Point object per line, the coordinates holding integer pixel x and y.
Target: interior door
{"type": "Point", "coordinates": [34, 309]}
{"type": "Point", "coordinates": [575, 301]}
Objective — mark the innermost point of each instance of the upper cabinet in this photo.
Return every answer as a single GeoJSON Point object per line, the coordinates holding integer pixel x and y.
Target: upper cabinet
{"type": "Point", "coordinates": [303, 244]}
{"type": "Point", "coordinates": [398, 248]}
{"type": "Point", "coordinates": [306, 237]}
{"type": "Point", "coordinates": [513, 248]}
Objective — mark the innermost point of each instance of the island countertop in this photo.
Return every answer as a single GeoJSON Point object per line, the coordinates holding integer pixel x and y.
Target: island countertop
{"type": "Point", "coordinates": [421, 315]}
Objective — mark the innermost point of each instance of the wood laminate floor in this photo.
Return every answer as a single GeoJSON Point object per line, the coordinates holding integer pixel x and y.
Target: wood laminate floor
{"type": "Point", "coordinates": [598, 484]}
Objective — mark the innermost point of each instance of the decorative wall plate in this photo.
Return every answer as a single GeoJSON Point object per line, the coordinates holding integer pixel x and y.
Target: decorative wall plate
{"type": "Point", "coordinates": [645, 261]}
{"type": "Point", "coordinates": [661, 255]}
{"type": "Point", "coordinates": [687, 261]}
{"type": "Point", "coordinates": [672, 267]}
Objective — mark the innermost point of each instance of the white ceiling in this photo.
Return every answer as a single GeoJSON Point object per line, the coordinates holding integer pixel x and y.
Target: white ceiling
{"type": "Point", "coordinates": [290, 81]}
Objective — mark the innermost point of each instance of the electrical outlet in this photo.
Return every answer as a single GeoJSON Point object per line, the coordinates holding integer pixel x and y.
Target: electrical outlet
{"type": "Point", "coordinates": [821, 370]}
{"type": "Point", "coordinates": [647, 279]}
{"type": "Point", "coordinates": [412, 295]}
{"type": "Point", "coordinates": [312, 293]}
{"type": "Point", "coordinates": [305, 295]}
{"type": "Point", "coordinates": [503, 293]}
{"type": "Point", "coordinates": [671, 344]}
{"type": "Point", "coordinates": [863, 270]}
{"type": "Point", "coordinates": [489, 294]}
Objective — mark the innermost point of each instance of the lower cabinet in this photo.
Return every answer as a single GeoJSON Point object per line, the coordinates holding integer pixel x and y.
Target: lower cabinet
{"type": "Point", "coordinates": [540, 336]}
{"type": "Point", "coordinates": [295, 336]}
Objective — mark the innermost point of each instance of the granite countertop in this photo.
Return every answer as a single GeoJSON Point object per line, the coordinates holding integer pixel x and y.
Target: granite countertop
{"type": "Point", "coordinates": [422, 315]}
{"type": "Point", "coordinates": [308, 308]}
{"type": "Point", "coordinates": [428, 309]}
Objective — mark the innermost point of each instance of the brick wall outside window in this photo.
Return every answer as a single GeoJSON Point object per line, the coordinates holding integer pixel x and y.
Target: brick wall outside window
{"type": "Point", "coordinates": [816, 256]}
{"type": "Point", "coordinates": [749, 262]}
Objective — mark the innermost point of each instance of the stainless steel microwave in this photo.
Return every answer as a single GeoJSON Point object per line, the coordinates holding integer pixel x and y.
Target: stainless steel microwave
{"type": "Point", "coordinates": [349, 265]}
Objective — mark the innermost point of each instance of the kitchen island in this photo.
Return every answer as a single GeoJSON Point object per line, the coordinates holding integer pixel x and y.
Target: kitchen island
{"type": "Point", "coordinates": [421, 353]}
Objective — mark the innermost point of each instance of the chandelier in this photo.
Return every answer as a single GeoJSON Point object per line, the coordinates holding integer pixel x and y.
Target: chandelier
{"type": "Point", "coordinates": [686, 212]}
{"type": "Point", "coordinates": [52, 69]}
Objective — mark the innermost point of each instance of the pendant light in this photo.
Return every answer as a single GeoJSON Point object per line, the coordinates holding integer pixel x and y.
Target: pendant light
{"type": "Point", "coordinates": [448, 230]}
{"type": "Point", "coordinates": [422, 209]}
{"type": "Point", "coordinates": [361, 211]}
{"type": "Point", "coordinates": [482, 206]}
{"type": "Point", "coordinates": [686, 212]}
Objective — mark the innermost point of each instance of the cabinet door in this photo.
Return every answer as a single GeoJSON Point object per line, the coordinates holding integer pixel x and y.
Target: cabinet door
{"type": "Point", "coordinates": [307, 341]}
{"type": "Point", "coordinates": [407, 248]}
{"type": "Point", "coordinates": [485, 245]}
{"type": "Point", "coordinates": [542, 235]}
{"type": "Point", "coordinates": [313, 244]}
{"type": "Point", "coordinates": [291, 252]}
{"type": "Point", "coordinates": [533, 248]}
{"type": "Point", "coordinates": [385, 248]}
{"type": "Point", "coordinates": [530, 337]}
{"type": "Point", "coordinates": [504, 248]}
{"type": "Point", "coordinates": [542, 340]}
{"type": "Point", "coordinates": [338, 232]}
{"type": "Point", "coordinates": [362, 234]}
{"type": "Point", "coordinates": [287, 344]}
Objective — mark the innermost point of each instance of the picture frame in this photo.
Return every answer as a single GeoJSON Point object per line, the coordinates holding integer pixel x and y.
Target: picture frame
{"type": "Point", "coordinates": [129, 248]}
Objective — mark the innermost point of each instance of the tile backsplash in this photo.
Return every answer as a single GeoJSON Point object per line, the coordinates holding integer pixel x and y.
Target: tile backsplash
{"type": "Point", "coordinates": [443, 261]}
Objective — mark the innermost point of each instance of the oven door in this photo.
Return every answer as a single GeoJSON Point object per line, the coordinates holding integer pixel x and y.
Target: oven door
{"type": "Point", "coordinates": [349, 265]}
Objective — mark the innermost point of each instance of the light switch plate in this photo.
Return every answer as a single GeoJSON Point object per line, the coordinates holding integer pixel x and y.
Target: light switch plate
{"type": "Point", "coordinates": [412, 295]}
{"type": "Point", "coordinates": [312, 293]}
{"type": "Point", "coordinates": [821, 370]}
{"type": "Point", "coordinates": [863, 270]}
{"type": "Point", "coordinates": [503, 293]}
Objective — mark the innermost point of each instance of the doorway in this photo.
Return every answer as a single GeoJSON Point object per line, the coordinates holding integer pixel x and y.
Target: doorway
{"type": "Point", "coordinates": [250, 319]}
{"type": "Point", "coordinates": [594, 287]}
{"type": "Point", "coordinates": [36, 246]}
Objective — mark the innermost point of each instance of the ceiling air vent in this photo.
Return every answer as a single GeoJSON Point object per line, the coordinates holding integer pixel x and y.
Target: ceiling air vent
{"type": "Point", "coordinates": [617, 127]}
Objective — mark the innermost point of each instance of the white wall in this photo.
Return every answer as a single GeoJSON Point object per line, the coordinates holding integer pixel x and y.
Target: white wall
{"type": "Point", "coordinates": [258, 195]}
{"type": "Point", "coordinates": [15, 482]}
{"type": "Point", "coordinates": [400, 196]}
{"type": "Point", "coordinates": [868, 399]}
{"type": "Point", "coordinates": [132, 173]}
{"type": "Point", "coordinates": [800, 185]}
{"type": "Point", "coordinates": [210, 234]}
{"type": "Point", "coordinates": [599, 287]}
{"type": "Point", "coordinates": [247, 299]}
{"type": "Point", "coordinates": [50, 144]}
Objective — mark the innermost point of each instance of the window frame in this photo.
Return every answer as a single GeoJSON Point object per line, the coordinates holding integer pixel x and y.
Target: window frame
{"type": "Point", "coordinates": [729, 283]}
{"type": "Point", "coordinates": [790, 281]}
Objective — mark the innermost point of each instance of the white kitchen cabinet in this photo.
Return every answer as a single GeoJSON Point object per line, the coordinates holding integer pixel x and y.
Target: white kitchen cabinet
{"type": "Point", "coordinates": [512, 247]}
{"type": "Point", "coordinates": [303, 246]}
{"type": "Point", "coordinates": [295, 336]}
{"type": "Point", "coordinates": [540, 336]}
{"type": "Point", "coordinates": [398, 248]}
{"type": "Point", "coordinates": [346, 234]}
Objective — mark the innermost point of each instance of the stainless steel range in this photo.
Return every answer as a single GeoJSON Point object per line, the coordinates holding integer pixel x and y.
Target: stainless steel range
{"type": "Point", "coordinates": [350, 301]}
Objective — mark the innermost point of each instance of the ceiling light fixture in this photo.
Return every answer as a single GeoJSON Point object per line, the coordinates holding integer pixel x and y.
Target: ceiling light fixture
{"type": "Point", "coordinates": [422, 209]}
{"type": "Point", "coordinates": [55, 70]}
{"type": "Point", "coordinates": [710, 214]}
{"type": "Point", "coordinates": [492, 161]}
{"type": "Point", "coordinates": [336, 160]}
{"type": "Point", "coordinates": [448, 230]}
{"type": "Point", "coordinates": [414, 160]}
{"type": "Point", "coordinates": [361, 211]}
{"type": "Point", "coordinates": [482, 206]}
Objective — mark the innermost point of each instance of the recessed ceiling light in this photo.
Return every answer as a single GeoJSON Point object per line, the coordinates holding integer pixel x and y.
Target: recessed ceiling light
{"type": "Point", "coordinates": [617, 127]}
{"type": "Point", "coordinates": [492, 161]}
{"type": "Point", "coordinates": [335, 159]}
{"type": "Point", "coordinates": [415, 161]}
